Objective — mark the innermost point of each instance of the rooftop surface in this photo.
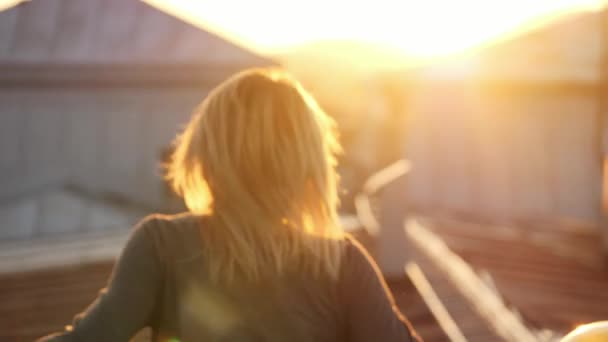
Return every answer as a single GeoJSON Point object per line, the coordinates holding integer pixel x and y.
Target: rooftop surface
{"type": "Point", "coordinates": [534, 267]}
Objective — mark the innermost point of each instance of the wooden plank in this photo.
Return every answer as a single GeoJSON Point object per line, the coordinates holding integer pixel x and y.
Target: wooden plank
{"type": "Point", "coordinates": [434, 303]}
{"type": "Point", "coordinates": [576, 247]}
{"type": "Point", "coordinates": [551, 289]}
{"type": "Point", "coordinates": [69, 251]}
{"type": "Point", "coordinates": [467, 319]}
{"type": "Point", "coordinates": [35, 304]}
{"type": "Point", "coordinates": [483, 298]}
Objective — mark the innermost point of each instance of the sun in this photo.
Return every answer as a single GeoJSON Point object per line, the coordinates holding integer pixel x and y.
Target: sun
{"type": "Point", "coordinates": [418, 29]}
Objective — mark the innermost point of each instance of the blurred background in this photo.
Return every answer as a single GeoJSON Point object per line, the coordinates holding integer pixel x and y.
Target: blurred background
{"type": "Point", "coordinates": [475, 140]}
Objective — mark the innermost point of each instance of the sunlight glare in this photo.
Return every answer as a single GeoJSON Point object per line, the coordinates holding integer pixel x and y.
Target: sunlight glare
{"type": "Point", "coordinates": [7, 4]}
{"type": "Point", "coordinates": [419, 29]}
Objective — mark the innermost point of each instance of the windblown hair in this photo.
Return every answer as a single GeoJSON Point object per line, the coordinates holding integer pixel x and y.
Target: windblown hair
{"type": "Point", "coordinates": [258, 157]}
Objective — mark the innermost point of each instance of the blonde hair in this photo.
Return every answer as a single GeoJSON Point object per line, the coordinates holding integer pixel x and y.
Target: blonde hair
{"type": "Point", "coordinates": [258, 156]}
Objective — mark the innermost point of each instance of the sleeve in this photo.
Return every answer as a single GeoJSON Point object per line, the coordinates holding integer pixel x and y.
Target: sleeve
{"type": "Point", "coordinates": [370, 309]}
{"type": "Point", "coordinates": [128, 303]}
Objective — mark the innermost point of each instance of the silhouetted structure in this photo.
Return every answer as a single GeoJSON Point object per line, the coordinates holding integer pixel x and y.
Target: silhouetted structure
{"type": "Point", "coordinates": [91, 94]}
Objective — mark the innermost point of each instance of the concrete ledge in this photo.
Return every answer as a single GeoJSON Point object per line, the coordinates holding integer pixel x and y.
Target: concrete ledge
{"type": "Point", "coordinates": [43, 253]}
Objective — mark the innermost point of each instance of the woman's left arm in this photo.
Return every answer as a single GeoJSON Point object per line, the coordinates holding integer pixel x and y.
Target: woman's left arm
{"type": "Point", "coordinates": [128, 303]}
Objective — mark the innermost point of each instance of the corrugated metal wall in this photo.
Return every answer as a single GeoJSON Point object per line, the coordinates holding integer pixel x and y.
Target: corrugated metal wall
{"type": "Point", "coordinates": [501, 157]}
{"type": "Point", "coordinates": [108, 140]}
{"type": "Point", "coordinates": [505, 157]}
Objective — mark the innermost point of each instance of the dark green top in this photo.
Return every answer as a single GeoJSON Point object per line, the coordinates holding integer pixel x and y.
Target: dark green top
{"type": "Point", "coordinates": [159, 282]}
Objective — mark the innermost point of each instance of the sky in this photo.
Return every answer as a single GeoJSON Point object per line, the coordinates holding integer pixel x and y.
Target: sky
{"type": "Point", "coordinates": [418, 29]}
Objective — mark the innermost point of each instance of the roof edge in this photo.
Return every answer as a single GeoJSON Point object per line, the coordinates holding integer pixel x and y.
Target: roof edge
{"type": "Point", "coordinates": [130, 75]}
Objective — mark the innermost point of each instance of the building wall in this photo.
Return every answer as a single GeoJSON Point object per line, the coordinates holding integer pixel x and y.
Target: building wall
{"type": "Point", "coordinates": [504, 157]}
{"type": "Point", "coordinates": [103, 140]}
{"type": "Point", "coordinates": [516, 157]}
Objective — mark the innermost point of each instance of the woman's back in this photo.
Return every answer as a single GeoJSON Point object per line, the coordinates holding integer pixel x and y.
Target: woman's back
{"type": "Point", "coordinates": [160, 282]}
{"type": "Point", "coordinates": [294, 307]}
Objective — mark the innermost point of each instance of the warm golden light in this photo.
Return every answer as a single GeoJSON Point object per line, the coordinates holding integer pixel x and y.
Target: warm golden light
{"type": "Point", "coordinates": [592, 332]}
{"type": "Point", "coordinates": [7, 4]}
{"type": "Point", "coordinates": [418, 29]}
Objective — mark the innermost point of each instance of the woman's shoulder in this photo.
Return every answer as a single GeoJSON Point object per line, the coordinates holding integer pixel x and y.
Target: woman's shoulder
{"type": "Point", "coordinates": [173, 236]}
{"type": "Point", "coordinates": [355, 256]}
{"type": "Point", "coordinates": [179, 219]}
{"type": "Point", "coordinates": [348, 245]}
{"type": "Point", "coordinates": [170, 226]}
{"type": "Point", "coordinates": [351, 245]}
